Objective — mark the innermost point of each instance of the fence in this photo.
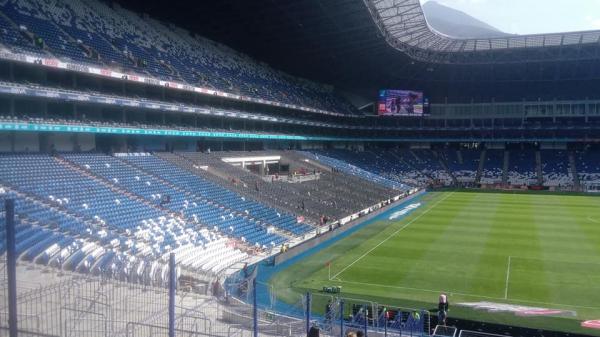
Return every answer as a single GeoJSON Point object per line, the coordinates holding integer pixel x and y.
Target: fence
{"type": "Point", "coordinates": [335, 315]}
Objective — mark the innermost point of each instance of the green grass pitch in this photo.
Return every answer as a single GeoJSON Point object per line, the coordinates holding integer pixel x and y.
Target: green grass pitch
{"type": "Point", "coordinates": [531, 249]}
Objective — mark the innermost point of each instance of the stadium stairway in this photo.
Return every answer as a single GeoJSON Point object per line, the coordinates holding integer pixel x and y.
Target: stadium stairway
{"type": "Point", "coordinates": [444, 165]}
{"type": "Point", "coordinates": [573, 170]}
{"type": "Point", "coordinates": [482, 158]}
{"type": "Point", "coordinates": [538, 168]}
{"type": "Point", "coordinates": [505, 167]}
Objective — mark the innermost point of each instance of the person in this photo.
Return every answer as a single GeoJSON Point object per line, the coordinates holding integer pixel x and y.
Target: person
{"type": "Point", "coordinates": [443, 308]}
{"type": "Point", "coordinates": [443, 302]}
{"type": "Point", "coordinates": [351, 333]}
{"type": "Point", "coordinates": [216, 288]}
{"type": "Point", "coordinates": [328, 309]}
{"type": "Point", "coordinates": [360, 333]}
{"type": "Point", "coordinates": [442, 315]}
{"type": "Point", "coordinates": [313, 331]}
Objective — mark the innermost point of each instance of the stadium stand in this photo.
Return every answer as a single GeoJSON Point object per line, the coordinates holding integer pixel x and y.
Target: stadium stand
{"type": "Point", "coordinates": [327, 193]}
{"type": "Point", "coordinates": [588, 166]}
{"type": "Point", "coordinates": [351, 169]}
{"type": "Point", "coordinates": [92, 32]}
{"type": "Point", "coordinates": [463, 163]}
{"type": "Point", "coordinates": [107, 121]}
{"type": "Point", "coordinates": [493, 167]}
{"type": "Point", "coordinates": [522, 167]}
{"type": "Point", "coordinates": [126, 208]}
{"type": "Point", "coordinates": [427, 162]}
{"type": "Point", "coordinates": [555, 168]}
{"type": "Point", "coordinates": [442, 166]}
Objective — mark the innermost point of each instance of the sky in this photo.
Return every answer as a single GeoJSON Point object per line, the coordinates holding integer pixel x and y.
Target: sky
{"type": "Point", "coordinates": [532, 16]}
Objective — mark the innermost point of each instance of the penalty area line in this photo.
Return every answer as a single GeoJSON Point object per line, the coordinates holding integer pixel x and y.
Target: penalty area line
{"type": "Point", "coordinates": [393, 234]}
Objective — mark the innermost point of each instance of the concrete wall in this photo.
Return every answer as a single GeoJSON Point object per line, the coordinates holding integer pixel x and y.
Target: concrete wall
{"type": "Point", "coordinates": [27, 141]}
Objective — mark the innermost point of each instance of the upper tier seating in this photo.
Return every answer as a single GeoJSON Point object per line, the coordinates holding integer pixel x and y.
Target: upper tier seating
{"type": "Point", "coordinates": [90, 31]}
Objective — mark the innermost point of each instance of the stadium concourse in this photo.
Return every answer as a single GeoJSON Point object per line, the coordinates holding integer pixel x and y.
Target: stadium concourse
{"type": "Point", "coordinates": [154, 179]}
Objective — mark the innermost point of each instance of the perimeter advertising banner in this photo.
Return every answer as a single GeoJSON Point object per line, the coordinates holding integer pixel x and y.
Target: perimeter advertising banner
{"type": "Point", "coordinates": [400, 103]}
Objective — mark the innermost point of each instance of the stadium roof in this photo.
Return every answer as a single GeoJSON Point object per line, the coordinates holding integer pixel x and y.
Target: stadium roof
{"type": "Point", "coordinates": [403, 24]}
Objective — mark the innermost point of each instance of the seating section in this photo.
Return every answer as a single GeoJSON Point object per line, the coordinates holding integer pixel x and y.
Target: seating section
{"type": "Point", "coordinates": [493, 167]}
{"type": "Point", "coordinates": [345, 166]}
{"type": "Point", "coordinates": [555, 168]}
{"type": "Point", "coordinates": [122, 215]}
{"type": "Point", "coordinates": [259, 215]}
{"type": "Point", "coordinates": [333, 195]}
{"type": "Point", "coordinates": [420, 167]}
{"type": "Point", "coordinates": [376, 161]}
{"type": "Point", "coordinates": [521, 169]}
{"type": "Point", "coordinates": [463, 163]}
{"type": "Point", "coordinates": [409, 167]}
{"type": "Point", "coordinates": [102, 214]}
{"type": "Point", "coordinates": [89, 31]}
{"type": "Point", "coordinates": [588, 168]}
{"type": "Point", "coordinates": [428, 163]}
{"type": "Point", "coordinates": [48, 234]}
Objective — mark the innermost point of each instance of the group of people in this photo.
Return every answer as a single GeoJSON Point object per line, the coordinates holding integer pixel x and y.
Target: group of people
{"type": "Point", "coordinates": [443, 306]}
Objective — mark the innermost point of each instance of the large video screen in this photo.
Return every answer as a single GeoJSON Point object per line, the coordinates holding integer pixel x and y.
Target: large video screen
{"type": "Point", "coordinates": [400, 103]}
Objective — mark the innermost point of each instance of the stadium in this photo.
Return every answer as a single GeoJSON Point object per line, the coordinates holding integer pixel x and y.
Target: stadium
{"type": "Point", "coordinates": [294, 168]}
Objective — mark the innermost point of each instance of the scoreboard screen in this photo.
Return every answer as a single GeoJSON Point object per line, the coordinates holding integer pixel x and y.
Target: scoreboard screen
{"type": "Point", "coordinates": [401, 103]}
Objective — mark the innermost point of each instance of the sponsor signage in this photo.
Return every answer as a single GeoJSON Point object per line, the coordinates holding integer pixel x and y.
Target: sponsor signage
{"type": "Point", "coordinates": [518, 310]}
{"type": "Point", "coordinates": [591, 324]}
{"type": "Point", "coordinates": [90, 69]}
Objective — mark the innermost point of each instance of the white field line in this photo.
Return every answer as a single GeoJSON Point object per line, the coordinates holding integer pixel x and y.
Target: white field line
{"type": "Point", "coordinates": [553, 260]}
{"type": "Point", "coordinates": [451, 293]}
{"type": "Point", "coordinates": [393, 234]}
{"type": "Point", "coordinates": [507, 278]}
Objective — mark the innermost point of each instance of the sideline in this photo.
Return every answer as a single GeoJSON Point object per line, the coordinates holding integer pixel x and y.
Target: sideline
{"type": "Point", "coordinates": [393, 234]}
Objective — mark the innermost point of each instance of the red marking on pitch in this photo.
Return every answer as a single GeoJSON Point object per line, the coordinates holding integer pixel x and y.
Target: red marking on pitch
{"type": "Point", "coordinates": [539, 312]}
{"type": "Point", "coordinates": [592, 324]}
